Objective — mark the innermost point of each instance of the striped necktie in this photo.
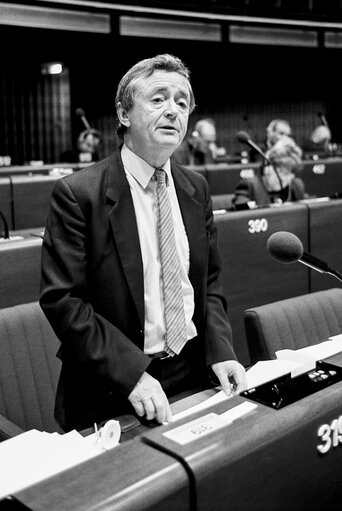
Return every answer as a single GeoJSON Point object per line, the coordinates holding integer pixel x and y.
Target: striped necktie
{"type": "Point", "coordinates": [172, 287]}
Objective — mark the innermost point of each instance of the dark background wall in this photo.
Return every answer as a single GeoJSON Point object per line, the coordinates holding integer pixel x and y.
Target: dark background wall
{"type": "Point", "coordinates": [240, 86]}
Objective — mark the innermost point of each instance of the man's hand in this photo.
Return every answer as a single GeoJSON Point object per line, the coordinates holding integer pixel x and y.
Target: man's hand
{"type": "Point", "coordinates": [148, 398]}
{"type": "Point", "coordinates": [232, 376]}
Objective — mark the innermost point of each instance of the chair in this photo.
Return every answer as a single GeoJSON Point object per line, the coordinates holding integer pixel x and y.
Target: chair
{"type": "Point", "coordinates": [29, 371]}
{"type": "Point", "coordinates": [293, 323]}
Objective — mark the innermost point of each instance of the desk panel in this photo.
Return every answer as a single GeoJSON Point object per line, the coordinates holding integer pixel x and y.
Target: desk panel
{"type": "Point", "coordinates": [322, 178]}
{"type": "Point", "coordinates": [267, 460]}
{"type": "Point", "coordinates": [20, 271]}
{"type": "Point", "coordinates": [31, 196]}
{"type": "Point", "coordinates": [325, 219]}
{"type": "Point", "coordinates": [28, 170]}
{"type": "Point", "coordinates": [250, 276]}
{"type": "Point", "coordinates": [223, 177]}
{"type": "Point", "coordinates": [132, 476]}
{"type": "Point", "coordinates": [6, 201]}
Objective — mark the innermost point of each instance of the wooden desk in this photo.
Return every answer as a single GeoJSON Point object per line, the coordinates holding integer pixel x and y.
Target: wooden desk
{"type": "Point", "coordinates": [133, 476]}
{"type": "Point", "coordinates": [250, 276]}
{"type": "Point", "coordinates": [31, 198]}
{"type": "Point", "coordinates": [20, 268]}
{"type": "Point", "coordinates": [267, 460]}
{"type": "Point", "coordinates": [28, 170]}
{"type": "Point", "coordinates": [223, 177]}
{"type": "Point", "coordinates": [325, 224]}
{"type": "Point", "coordinates": [322, 177]}
{"type": "Point", "coordinates": [6, 202]}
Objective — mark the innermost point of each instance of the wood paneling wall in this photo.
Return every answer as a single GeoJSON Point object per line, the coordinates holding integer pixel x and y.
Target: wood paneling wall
{"type": "Point", "coordinates": [34, 113]}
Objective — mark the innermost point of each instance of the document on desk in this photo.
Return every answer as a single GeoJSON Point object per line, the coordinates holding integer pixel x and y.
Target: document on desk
{"type": "Point", "coordinates": [294, 362]}
{"type": "Point", "coordinates": [313, 353]}
{"type": "Point", "coordinates": [266, 370]}
{"type": "Point", "coordinates": [34, 455]}
{"type": "Point", "coordinates": [213, 400]}
{"type": "Point", "coordinates": [259, 373]}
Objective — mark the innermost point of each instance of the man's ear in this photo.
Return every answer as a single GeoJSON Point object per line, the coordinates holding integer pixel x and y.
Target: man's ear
{"type": "Point", "coordinates": [123, 115]}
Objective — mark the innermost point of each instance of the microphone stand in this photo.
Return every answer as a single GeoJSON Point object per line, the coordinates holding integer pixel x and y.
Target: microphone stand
{"type": "Point", "coordinates": [258, 150]}
{"type": "Point", "coordinates": [335, 274]}
{"type": "Point", "coordinates": [316, 264]}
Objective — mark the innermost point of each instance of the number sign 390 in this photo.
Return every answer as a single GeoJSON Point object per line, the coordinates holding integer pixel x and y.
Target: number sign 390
{"type": "Point", "coordinates": [330, 435]}
{"type": "Point", "coordinates": [257, 225]}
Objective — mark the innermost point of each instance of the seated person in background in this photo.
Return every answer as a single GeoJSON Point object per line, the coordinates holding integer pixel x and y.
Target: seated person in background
{"type": "Point", "coordinates": [319, 141]}
{"type": "Point", "coordinates": [275, 130]}
{"type": "Point", "coordinates": [88, 145]}
{"type": "Point", "coordinates": [285, 159]}
{"type": "Point", "coordinates": [200, 146]}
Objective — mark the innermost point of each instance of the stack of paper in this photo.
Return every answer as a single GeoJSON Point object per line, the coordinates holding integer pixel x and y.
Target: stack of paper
{"type": "Point", "coordinates": [34, 456]}
{"type": "Point", "coordinates": [293, 361]}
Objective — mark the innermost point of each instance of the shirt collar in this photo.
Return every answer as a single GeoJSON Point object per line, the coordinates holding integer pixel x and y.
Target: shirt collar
{"type": "Point", "coordinates": [139, 168]}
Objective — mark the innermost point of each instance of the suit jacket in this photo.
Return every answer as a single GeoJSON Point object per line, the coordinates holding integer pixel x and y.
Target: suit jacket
{"type": "Point", "coordinates": [92, 288]}
{"type": "Point", "coordinates": [255, 190]}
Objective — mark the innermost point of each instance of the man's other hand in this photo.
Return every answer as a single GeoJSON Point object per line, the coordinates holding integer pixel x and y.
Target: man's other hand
{"type": "Point", "coordinates": [231, 375]}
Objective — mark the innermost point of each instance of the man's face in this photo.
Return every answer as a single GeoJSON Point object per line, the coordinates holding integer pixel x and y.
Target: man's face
{"type": "Point", "coordinates": [159, 116]}
{"type": "Point", "coordinates": [276, 132]}
{"type": "Point", "coordinates": [90, 144]}
{"type": "Point", "coordinates": [207, 137]}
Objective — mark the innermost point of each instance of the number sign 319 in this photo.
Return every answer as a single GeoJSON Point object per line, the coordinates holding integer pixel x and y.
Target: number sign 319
{"type": "Point", "coordinates": [330, 435]}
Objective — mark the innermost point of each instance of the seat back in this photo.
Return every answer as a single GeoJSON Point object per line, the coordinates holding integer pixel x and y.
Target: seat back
{"type": "Point", "coordinates": [293, 323]}
{"type": "Point", "coordinates": [29, 368]}
{"type": "Point", "coordinates": [222, 201]}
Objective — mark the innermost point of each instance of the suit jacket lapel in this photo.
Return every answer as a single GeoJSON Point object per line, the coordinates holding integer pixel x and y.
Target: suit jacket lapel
{"type": "Point", "coordinates": [125, 231]}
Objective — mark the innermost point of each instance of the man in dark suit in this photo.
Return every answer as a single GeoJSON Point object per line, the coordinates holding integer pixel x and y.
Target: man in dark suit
{"type": "Point", "coordinates": [102, 284]}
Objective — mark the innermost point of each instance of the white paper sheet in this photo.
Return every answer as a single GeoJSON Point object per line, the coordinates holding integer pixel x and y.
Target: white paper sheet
{"type": "Point", "coordinates": [34, 455]}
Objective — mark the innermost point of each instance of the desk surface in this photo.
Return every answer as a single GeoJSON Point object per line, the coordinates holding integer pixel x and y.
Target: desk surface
{"type": "Point", "coordinates": [130, 477]}
{"type": "Point", "coordinates": [268, 460]}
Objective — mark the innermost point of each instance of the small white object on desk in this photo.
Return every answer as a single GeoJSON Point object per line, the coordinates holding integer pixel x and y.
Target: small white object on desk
{"type": "Point", "coordinates": [106, 437]}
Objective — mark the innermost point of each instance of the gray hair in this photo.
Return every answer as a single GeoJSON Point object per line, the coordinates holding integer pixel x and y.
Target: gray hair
{"type": "Point", "coordinates": [285, 152]}
{"type": "Point", "coordinates": [143, 69]}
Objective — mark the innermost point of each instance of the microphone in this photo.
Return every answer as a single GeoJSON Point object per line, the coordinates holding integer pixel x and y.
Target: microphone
{"type": "Point", "coordinates": [244, 138]}
{"type": "Point", "coordinates": [287, 248]}
{"type": "Point", "coordinates": [80, 112]}
{"type": "Point", "coordinates": [323, 119]}
{"type": "Point", "coordinates": [6, 228]}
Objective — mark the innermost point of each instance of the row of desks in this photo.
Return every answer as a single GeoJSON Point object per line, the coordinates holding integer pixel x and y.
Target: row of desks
{"type": "Point", "coordinates": [24, 199]}
{"type": "Point", "coordinates": [269, 460]}
{"type": "Point", "coordinates": [250, 276]}
{"type": "Point", "coordinates": [321, 177]}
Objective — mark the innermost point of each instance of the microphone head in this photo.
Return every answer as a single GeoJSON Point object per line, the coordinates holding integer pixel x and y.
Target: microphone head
{"type": "Point", "coordinates": [80, 112]}
{"type": "Point", "coordinates": [285, 247]}
{"type": "Point", "coordinates": [242, 136]}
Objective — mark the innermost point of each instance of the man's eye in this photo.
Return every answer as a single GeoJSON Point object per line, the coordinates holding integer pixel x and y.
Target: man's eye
{"type": "Point", "coordinates": [183, 104]}
{"type": "Point", "coordinates": [158, 99]}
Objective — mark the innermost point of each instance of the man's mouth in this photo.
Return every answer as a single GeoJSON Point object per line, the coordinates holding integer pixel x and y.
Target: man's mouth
{"type": "Point", "coordinates": [168, 128]}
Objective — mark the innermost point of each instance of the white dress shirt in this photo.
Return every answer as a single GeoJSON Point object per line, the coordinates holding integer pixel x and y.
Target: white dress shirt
{"type": "Point", "coordinates": [142, 184]}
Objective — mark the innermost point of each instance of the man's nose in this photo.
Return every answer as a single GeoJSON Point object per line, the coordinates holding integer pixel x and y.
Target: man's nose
{"type": "Point", "coordinates": [171, 108]}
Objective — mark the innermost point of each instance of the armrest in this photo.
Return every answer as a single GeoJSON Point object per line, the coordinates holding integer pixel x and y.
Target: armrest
{"type": "Point", "coordinates": [8, 429]}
